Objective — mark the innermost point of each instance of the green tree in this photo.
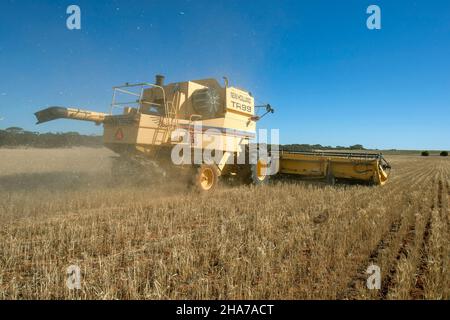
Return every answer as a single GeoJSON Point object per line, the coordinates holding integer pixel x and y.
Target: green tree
{"type": "Point", "coordinates": [357, 147]}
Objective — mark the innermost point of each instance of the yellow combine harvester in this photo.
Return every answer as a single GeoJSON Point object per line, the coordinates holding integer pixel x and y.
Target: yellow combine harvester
{"type": "Point", "coordinates": [205, 129]}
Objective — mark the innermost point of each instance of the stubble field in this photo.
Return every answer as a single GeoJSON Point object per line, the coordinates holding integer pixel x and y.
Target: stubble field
{"type": "Point", "coordinates": [287, 240]}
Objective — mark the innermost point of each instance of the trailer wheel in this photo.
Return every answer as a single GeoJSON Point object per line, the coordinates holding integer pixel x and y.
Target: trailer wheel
{"type": "Point", "coordinates": [206, 178]}
{"type": "Point", "coordinates": [331, 180]}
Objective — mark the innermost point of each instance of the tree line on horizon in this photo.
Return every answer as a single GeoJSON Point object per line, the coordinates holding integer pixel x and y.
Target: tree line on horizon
{"type": "Point", "coordinates": [312, 147]}
{"type": "Point", "coordinates": [18, 137]}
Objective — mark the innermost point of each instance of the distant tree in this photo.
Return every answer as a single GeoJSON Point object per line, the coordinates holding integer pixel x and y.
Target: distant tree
{"type": "Point", "coordinates": [297, 147]}
{"type": "Point", "coordinates": [444, 153]}
{"type": "Point", "coordinates": [357, 147]}
{"type": "Point", "coordinates": [425, 153]}
{"type": "Point", "coordinates": [14, 130]}
{"type": "Point", "coordinates": [16, 137]}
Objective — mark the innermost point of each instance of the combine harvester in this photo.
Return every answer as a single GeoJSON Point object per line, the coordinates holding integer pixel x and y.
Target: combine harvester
{"type": "Point", "coordinates": [156, 118]}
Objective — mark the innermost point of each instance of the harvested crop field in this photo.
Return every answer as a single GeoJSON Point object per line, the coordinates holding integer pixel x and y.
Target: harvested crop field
{"type": "Point", "coordinates": [286, 240]}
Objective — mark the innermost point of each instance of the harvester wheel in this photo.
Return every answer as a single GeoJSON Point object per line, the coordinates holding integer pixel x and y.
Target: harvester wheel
{"type": "Point", "coordinates": [130, 170]}
{"type": "Point", "coordinates": [259, 172]}
{"type": "Point", "coordinates": [206, 178]}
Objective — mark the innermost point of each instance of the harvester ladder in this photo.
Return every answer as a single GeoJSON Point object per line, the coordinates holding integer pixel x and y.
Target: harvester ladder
{"type": "Point", "coordinates": [170, 121]}
{"type": "Point", "coordinates": [191, 127]}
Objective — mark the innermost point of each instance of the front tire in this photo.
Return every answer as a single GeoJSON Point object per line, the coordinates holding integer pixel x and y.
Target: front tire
{"type": "Point", "coordinates": [206, 178]}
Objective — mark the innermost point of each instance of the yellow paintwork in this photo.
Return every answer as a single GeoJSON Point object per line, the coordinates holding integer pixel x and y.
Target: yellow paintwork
{"type": "Point", "coordinates": [340, 167]}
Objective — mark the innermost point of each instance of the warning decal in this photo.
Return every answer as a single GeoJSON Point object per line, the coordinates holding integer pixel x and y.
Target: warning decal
{"type": "Point", "coordinates": [119, 134]}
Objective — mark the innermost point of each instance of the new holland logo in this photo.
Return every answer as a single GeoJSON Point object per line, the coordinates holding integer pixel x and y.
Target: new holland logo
{"type": "Point", "coordinates": [119, 134]}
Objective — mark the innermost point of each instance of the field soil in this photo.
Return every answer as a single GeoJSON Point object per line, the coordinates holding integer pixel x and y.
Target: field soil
{"type": "Point", "coordinates": [159, 240]}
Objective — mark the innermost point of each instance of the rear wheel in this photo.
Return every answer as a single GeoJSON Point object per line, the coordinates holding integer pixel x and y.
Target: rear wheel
{"type": "Point", "coordinates": [206, 178]}
{"type": "Point", "coordinates": [257, 169]}
{"type": "Point", "coordinates": [124, 169]}
{"type": "Point", "coordinates": [260, 172]}
{"type": "Point", "coordinates": [331, 180]}
{"type": "Point", "coordinates": [137, 171]}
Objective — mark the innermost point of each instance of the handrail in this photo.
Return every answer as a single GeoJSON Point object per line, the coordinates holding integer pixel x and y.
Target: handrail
{"type": "Point", "coordinates": [168, 120]}
{"type": "Point", "coordinates": [133, 85]}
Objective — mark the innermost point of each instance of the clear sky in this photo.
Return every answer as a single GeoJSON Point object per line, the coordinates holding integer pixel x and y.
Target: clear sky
{"type": "Point", "coordinates": [331, 79]}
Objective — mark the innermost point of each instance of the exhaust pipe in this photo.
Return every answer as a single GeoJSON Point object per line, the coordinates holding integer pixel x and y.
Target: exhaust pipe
{"type": "Point", "coordinates": [159, 80]}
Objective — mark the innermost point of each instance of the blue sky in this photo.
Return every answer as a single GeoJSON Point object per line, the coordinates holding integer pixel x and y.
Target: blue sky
{"type": "Point", "coordinates": [331, 80]}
